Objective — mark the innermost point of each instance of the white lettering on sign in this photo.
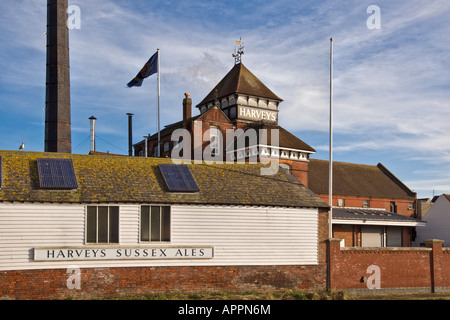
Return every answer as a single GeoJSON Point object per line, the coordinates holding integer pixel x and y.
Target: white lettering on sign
{"type": "Point", "coordinates": [70, 254]}
{"type": "Point", "coordinates": [257, 114]}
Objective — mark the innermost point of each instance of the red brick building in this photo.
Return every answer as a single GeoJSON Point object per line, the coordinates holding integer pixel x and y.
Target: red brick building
{"type": "Point", "coordinates": [371, 206]}
{"type": "Point", "coordinates": [240, 102]}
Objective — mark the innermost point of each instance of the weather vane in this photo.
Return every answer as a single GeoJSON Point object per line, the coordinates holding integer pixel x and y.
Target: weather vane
{"type": "Point", "coordinates": [239, 51]}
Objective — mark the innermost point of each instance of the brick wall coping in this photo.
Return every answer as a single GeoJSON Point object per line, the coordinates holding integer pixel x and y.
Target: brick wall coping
{"type": "Point", "coordinates": [433, 241]}
{"type": "Point", "coordinates": [392, 249]}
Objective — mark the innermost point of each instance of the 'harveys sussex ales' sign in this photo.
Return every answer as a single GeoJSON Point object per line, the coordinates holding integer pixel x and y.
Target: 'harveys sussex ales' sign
{"type": "Point", "coordinates": [143, 253]}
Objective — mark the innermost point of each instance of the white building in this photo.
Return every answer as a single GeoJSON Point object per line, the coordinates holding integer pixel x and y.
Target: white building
{"type": "Point", "coordinates": [438, 221]}
{"type": "Point", "coordinates": [60, 210]}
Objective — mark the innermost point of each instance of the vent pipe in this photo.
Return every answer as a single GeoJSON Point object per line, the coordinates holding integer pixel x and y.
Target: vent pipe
{"type": "Point", "coordinates": [92, 133]}
{"type": "Point", "coordinates": [130, 134]}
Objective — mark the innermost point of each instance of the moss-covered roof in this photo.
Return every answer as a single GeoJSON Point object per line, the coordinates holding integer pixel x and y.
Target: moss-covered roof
{"type": "Point", "coordinates": [107, 179]}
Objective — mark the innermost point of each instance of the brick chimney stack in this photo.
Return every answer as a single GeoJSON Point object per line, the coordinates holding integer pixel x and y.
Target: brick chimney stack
{"type": "Point", "coordinates": [187, 109]}
{"type": "Point", "coordinates": [57, 103]}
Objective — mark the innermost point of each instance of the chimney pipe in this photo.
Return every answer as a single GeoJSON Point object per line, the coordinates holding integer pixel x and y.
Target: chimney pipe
{"type": "Point", "coordinates": [130, 134]}
{"type": "Point", "coordinates": [92, 133]}
{"type": "Point", "coordinates": [187, 109]}
{"type": "Point", "coordinates": [57, 102]}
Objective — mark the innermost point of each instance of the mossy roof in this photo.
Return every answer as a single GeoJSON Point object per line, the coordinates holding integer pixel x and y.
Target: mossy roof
{"type": "Point", "coordinates": [108, 179]}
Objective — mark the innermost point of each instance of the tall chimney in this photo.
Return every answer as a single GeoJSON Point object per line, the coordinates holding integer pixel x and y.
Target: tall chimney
{"type": "Point", "coordinates": [187, 109]}
{"type": "Point", "coordinates": [92, 133]}
{"type": "Point", "coordinates": [57, 103]}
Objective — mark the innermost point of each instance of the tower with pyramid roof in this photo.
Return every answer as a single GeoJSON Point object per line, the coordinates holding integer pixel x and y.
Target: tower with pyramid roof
{"type": "Point", "coordinates": [242, 96]}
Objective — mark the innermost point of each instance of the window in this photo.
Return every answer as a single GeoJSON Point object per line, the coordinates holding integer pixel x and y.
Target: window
{"type": "Point", "coordinates": [341, 202]}
{"type": "Point", "coordinates": [411, 206]}
{"type": "Point", "coordinates": [156, 151]}
{"type": "Point", "coordinates": [214, 136]}
{"type": "Point", "coordinates": [102, 224]}
{"type": "Point", "coordinates": [393, 206]}
{"type": "Point", "coordinates": [155, 223]}
{"type": "Point", "coordinates": [233, 113]}
{"type": "Point", "coordinates": [166, 146]}
{"type": "Point", "coordinates": [366, 203]}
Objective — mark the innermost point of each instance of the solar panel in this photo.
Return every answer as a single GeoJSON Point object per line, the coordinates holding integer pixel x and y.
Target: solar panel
{"type": "Point", "coordinates": [178, 178]}
{"type": "Point", "coordinates": [56, 174]}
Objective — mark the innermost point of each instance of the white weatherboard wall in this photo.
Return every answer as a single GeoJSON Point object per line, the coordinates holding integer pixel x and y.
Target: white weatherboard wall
{"type": "Point", "coordinates": [239, 235]}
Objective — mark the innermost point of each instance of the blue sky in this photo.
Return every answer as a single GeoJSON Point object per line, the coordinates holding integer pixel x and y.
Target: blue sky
{"type": "Point", "coordinates": [391, 85]}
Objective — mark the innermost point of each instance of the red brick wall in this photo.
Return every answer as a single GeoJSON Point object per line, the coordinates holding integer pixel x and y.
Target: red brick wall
{"type": "Point", "coordinates": [411, 268]}
{"type": "Point", "coordinates": [133, 282]}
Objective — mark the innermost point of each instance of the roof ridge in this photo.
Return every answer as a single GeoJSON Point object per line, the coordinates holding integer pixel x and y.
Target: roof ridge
{"type": "Point", "coordinates": [346, 162]}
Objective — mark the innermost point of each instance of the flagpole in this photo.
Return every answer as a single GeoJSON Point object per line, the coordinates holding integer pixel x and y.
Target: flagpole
{"type": "Point", "coordinates": [159, 94]}
{"type": "Point", "coordinates": [330, 186]}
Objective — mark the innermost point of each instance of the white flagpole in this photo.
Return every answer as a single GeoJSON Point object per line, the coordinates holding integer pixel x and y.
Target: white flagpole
{"type": "Point", "coordinates": [330, 186]}
{"type": "Point", "coordinates": [159, 94]}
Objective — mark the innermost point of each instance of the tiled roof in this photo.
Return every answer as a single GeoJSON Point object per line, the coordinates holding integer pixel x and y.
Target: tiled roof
{"type": "Point", "coordinates": [369, 215]}
{"type": "Point", "coordinates": [106, 179]}
{"type": "Point", "coordinates": [240, 80]}
{"type": "Point", "coordinates": [357, 180]}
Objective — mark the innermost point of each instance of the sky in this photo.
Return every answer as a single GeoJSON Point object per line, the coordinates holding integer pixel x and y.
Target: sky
{"type": "Point", "coordinates": [391, 88]}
